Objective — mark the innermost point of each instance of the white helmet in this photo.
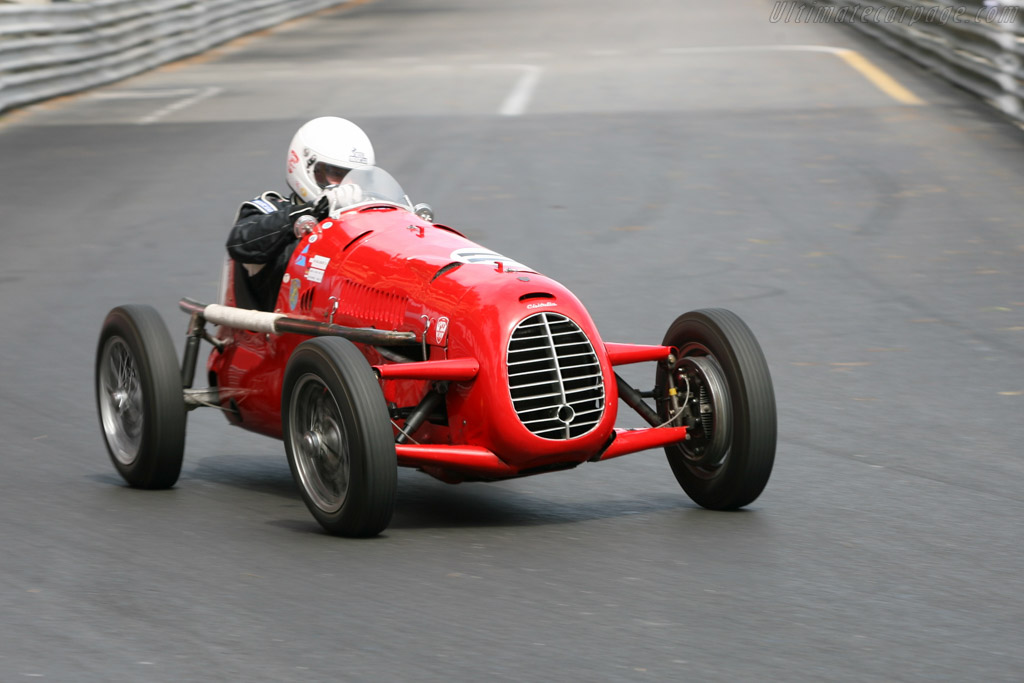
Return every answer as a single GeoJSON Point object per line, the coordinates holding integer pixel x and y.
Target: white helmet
{"type": "Point", "coordinates": [323, 151]}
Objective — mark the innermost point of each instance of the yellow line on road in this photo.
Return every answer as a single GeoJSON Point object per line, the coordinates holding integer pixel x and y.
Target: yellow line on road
{"type": "Point", "coordinates": [859, 62]}
{"type": "Point", "coordinates": [878, 78]}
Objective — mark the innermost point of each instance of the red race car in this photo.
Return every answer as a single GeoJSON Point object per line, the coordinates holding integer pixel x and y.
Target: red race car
{"type": "Point", "coordinates": [396, 342]}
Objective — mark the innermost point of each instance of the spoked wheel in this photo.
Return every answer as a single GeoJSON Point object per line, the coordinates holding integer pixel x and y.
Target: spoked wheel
{"type": "Point", "coordinates": [139, 397]}
{"type": "Point", "coordinates": [725, 398]}
{"type": "Point", "coordinates": [338, 436]}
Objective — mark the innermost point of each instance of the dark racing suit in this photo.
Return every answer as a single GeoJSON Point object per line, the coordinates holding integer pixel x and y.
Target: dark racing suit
{"type": "Point", "coordinates": [261, 243]}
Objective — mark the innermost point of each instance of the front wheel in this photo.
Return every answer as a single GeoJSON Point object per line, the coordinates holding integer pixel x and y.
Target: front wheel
{"type": "Point", "coordinates": [724, 395]}
{"type": "Point", "coordinates": [139, 397]}
{"type": "Point", "coordinates": [338, 436]}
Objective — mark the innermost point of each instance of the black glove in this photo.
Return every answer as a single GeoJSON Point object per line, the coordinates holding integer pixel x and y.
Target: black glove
{"type": "Point", "coordinates": [321, 208]}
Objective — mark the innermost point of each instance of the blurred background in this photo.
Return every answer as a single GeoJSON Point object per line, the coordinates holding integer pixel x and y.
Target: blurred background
{"type": "Point", "coordinates": [859, 209]}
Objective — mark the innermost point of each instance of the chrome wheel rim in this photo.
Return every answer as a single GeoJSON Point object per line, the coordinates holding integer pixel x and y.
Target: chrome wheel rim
{"type": "Point", "coordinates": [120, 399]}
{"type": "Point", "coordinates": [319, 444]}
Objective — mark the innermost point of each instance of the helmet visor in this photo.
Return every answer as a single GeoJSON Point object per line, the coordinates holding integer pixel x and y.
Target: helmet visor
{"type": "Point", "coordinates": [328, 174]}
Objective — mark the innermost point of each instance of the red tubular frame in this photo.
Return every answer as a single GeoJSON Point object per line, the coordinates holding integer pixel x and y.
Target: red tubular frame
{"type": "Point", "coordinates": [624, 354]}
{"type": "Point", "coordinates": [454, 370]}
{"type": "Point", "coordinates": [632, 440]}
{"type": "Point", "coordinates": [477, 460]}
{"type": "Point", "coordinates": [465, 458]}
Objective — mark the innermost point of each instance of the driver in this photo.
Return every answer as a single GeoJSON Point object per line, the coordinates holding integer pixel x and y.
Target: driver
{"type": "Point", "coordinates": [264, 236]}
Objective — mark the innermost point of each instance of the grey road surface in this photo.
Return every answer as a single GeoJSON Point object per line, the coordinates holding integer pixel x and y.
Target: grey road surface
{"type": "Point", "coordinates": [863, 217]}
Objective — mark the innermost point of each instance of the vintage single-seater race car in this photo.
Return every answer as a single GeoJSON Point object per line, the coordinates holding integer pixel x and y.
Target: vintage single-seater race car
{"type": "Point", "coordinates": [396, 341]}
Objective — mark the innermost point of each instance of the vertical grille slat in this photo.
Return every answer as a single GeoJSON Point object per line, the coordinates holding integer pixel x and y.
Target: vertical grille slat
{"type": "Point", "coordinates": [554, 377]}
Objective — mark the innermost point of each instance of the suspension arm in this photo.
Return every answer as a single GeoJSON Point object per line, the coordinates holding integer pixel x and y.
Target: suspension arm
{"type": "Point", "coordinates": [634, 400]}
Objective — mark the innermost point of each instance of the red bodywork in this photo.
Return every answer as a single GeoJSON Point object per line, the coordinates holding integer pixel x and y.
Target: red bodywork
{"type": "Point", "coordinates": [381, 266]}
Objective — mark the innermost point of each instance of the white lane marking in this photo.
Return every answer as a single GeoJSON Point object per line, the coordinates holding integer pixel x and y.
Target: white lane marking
{"type": "Point", "coordinates": [140, 94]}
{"type": "Point", "coordinates": [517, 100]}
{"type": "Point", "coordinates": [179, 104]}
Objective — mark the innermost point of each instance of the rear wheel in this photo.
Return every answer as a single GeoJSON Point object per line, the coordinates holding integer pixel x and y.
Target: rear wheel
{"type": "Point", "coordinates": [338, 437]}
{"type": "Point", "coordinates": [726, 399]}
{"type": "Point", "coordinates": [139, 397]}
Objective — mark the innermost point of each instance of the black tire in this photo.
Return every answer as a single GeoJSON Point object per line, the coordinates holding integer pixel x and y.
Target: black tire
{"type": "Point", "coordinates": [338, 437]}
{"type": "Point", "coordinates": [139, 397]}
{"type": "Point", "coordinates": [738, 476]}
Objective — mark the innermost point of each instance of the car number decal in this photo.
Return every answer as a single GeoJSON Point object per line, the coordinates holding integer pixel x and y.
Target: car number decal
{"type": "Point", "coordinates": [487, 257]}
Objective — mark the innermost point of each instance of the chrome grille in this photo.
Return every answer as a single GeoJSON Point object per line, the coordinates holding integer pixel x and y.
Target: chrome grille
{"type": "Point", "coordinates": [554, 377]}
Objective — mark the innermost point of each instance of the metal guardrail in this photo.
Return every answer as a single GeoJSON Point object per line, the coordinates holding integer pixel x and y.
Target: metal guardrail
{"type": "Point", "coordinates": [51, 50]}
{"type": "Point", "coordinates": [976, 44]}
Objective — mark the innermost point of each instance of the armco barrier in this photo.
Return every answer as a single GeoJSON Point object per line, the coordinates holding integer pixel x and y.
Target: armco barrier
{"type": "Point", "coordinates": [50, 50]}
{"type": "Point", "coordinates": [977, 44]}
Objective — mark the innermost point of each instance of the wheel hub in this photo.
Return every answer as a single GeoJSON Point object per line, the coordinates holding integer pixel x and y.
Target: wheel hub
{"type": "Point", "coordinates": [708, 410]}
{"type": "Point", "coordinates": [120, 399]}
{"type": "Point", "coordinates": [312, 444]}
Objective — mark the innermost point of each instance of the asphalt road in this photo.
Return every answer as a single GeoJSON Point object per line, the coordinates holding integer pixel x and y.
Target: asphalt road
{"type": "Point", "coordinates": [654, 157]}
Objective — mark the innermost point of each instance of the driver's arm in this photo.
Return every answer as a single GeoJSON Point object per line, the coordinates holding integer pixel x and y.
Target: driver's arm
{"type": "Point", "coordinates": [264, 228]}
